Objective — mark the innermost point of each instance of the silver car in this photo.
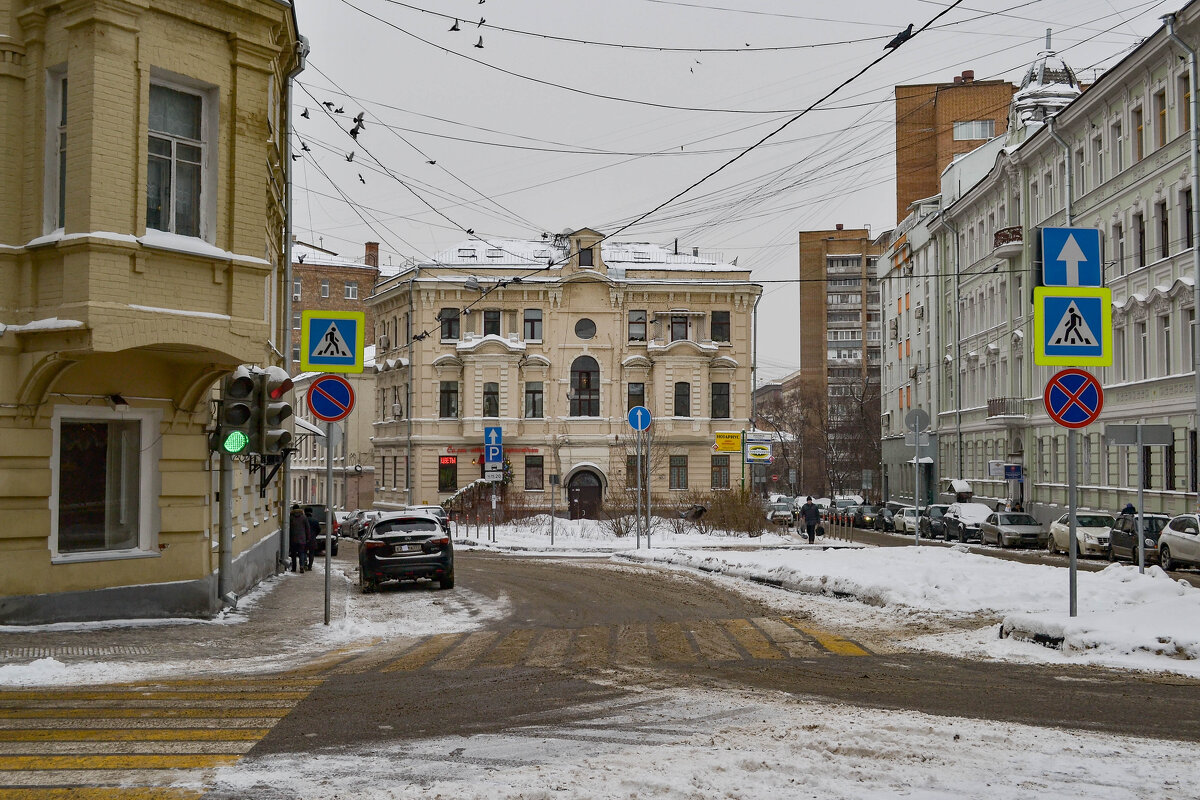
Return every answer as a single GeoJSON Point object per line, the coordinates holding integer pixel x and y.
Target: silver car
{"type": "Point", "coordinates": [1012, 529]}
{"type": "Point", "coordinates": [1179, 543]}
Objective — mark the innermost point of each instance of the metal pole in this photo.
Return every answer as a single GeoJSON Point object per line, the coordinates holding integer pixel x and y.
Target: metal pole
{"type": "Point", "coordinates": [492, 516]}
{"type": "Point", "coordinates": [225, 512]}
{"type": "Point", "coordinates": [328, 512]}
{"type": "Point", "coordinates": [917, 493]}
{"type": "Point", "coordinates": [637, 525]}
{"type": "Point", "coordinates": [553, 511]}
{"type": "Point", "coordinates": [1141, 536]}
{"type": "Point", "coordinates": [647, 484]}
{"type": "Point", "coordinates": [1072, 542]}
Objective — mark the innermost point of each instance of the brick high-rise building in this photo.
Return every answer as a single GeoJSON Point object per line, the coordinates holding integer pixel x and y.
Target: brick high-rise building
{"type": "Point", "coordinates": [936, 122]}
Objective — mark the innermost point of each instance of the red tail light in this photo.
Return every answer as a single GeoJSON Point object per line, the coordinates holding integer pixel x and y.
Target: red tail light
{"type": "Point", "coordinates": [372, 544]}
{"type": "Point", "coordinates": [440, 542]}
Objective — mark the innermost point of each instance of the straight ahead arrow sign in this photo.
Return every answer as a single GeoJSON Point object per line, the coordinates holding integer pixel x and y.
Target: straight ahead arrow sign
{"type": "Point", "coordinates": [1072, 255]}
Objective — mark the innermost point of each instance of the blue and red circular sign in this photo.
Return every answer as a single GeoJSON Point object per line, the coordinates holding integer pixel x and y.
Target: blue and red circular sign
{"type": "Point", "coordinates": [330, 398]}
{"type": "Point", "coordinates": [1073, 398]}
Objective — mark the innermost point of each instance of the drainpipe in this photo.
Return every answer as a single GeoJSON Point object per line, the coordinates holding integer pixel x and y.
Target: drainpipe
{"type": "Point", "coordinates": [957, 347]}
{"type": "Point", "coordinates": [1169, 21]}
{"type": "Point", "coordinates": [285, 472]}
{"type": "Point", "coordinates": [1067, 155]}
{"type": "Point", "coordinates": [408, 483]}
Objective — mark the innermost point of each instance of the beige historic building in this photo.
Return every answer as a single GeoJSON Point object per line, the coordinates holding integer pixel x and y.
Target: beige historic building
{"type": "Point", "coordinates": [554, 341]}
{"type": "Point", "coordinates": [143, 152]}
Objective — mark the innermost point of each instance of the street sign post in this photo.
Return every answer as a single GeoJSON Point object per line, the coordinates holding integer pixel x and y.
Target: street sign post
{"type": "Point", "coordinates": [1073, 399]}
{"type": "Point", "coordinates": [1140, 436]}
{"type": "Point", "coordinates": [639, 419]}
{"type": "Point", "coordinates": [1071, 257]}
{"type": "Point", "coordinates": [493, 454]}
{"type": "Point", "coordinates": [1072, 326]}
{"type": "Point", "coordinates": [917, 420]}
{"type": "Point", "coordinates": [727, 442]}
{"type": "Point", "coordinates": [332, 341]}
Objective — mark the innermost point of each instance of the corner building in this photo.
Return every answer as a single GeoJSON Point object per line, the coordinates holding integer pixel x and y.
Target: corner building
{"type": "Point", "coordinates": [143, 152]}
{"type": "Point", "coordinates": [558, 340]}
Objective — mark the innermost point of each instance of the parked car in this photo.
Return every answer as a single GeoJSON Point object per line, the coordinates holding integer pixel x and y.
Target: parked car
{"type": "Point", "coordinates": [1091, 533]}
{"type": "Point", "coordinates": [864, 516]}
{"type": "Point", "coordinates": [933, 521]}
{"type": "Point", "coordinates": [318, 513]}
{"type": "Point", "coordinates": [905, 520]}
{"type": "Point", "coordinates": [355, 525]}
{"type": "Point", "coordinates": [780, 514]}
{"type": "Point", "coordinates": [437, 511]}
{"type": "Point", "coordinates": [405, 546]}
{"type": "Point", "coordinates": [1012, 529]}
{"type": "Point", "coordinates": [1123, 538]}
{"type": "Point", "coordinates": [963, 520]}
{"type": "Point", "coordinates": [1179, 543]}
{"type": "Point", "coordinates": [883, 520]}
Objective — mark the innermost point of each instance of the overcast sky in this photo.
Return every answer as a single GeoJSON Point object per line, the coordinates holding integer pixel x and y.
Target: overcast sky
{"type": "Point", "coordinates": [550, 126]}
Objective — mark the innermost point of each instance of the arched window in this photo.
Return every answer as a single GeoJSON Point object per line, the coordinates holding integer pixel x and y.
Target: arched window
{"type": "Point", "coordinates": [585, 387]}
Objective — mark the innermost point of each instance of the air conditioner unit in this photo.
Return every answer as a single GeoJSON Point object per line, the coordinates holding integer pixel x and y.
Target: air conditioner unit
{"type": "Point", "coordinates": [894, 328]}
{"type": "Point", "coordinates": [919, 312]}
{"type": "Point", "coordinates": [295, 297]}
{"type": "Point", "coordinates": [912, 372]}
{"type": "Point", "coordinates": [384, 342]}
{"type": "Point", "coordinates": [397, 410]}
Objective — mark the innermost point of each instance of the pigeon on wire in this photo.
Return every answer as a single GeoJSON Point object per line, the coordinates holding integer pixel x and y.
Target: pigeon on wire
{"type": "Point", "coordinates": [327, 104]}
{"type": "Point", "coordinates": [455, 27]}
{"type": "Point", "coordinates": [304, 113]}
{"type": "Point", "coordinates": [295, 156]}
{"type": "Point", "coordinates": [339, 110]}
{"type": "Point", "coordinates": [304, 146]}
{"type": "Point", "coordinates": [900, 38]}
{"type": "Point", "coordinates": [361, 179]}
{"type": "Point", "coordinates": [354, 131]}
{"type": "Point", "coordinates": [431, 162]}
{"type": "Point", "coordinates": [480, 23]}
{"type": "Point", "coordinates": [479, 44]}
{"type": "Point", "coordinates": [350, 157]}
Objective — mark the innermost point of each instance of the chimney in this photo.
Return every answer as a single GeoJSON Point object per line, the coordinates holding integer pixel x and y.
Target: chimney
{"type": "Point", "coordinates": [840, 226]}
{"type": "Point", "coordinates": [372, 257]}
{"type": "Point", "coordinates": [695, 252]}
{"type": "Point", "coordinates": [968, 75]}
{"type": "Point", "coordinates": [958, 78]}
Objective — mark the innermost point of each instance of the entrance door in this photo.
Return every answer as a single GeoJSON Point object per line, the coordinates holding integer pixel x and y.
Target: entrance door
{"type": "Point", "coordinates": [584, 494]}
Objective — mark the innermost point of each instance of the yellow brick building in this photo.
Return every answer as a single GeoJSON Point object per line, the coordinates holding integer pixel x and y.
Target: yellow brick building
{"type": "Point", "coordinates": [143, 155]}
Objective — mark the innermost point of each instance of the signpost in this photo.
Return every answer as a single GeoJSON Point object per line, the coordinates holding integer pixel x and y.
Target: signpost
{"type": "Point", "coordinates": [330, 398]}
{"type": "Point", "coordinates": [332, 341]}
{"type": "Point", "coordinates": [1140, 436]}
{"type": "Point", "coordinates": [493, 467]}
{"type": "Point", "coordinates": [917, 421]}
{"type": "Point", "coordinates": [1071, 257]}
{"type": "Point", "coordinates": [640, 419]}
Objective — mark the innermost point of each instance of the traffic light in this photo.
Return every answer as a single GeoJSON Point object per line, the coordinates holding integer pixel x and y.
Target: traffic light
{"type": "Point", "coordinates": [274, 384]}
{"type": "Point", "coordinates": [237, 428]}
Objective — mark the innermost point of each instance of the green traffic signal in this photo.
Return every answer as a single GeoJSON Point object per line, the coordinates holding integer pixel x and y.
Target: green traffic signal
{"type": "Point", "coordinates": [235, 442]}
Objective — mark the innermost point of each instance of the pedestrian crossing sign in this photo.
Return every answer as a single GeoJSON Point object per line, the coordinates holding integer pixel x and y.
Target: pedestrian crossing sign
{"type": "Point", "coordinates": [1072, 326]}
{"type": "Point", "coordinates": [332, 341]}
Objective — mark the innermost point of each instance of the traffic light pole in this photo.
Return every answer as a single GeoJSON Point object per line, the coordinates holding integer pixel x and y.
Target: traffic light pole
{"type": "Point", "coordinates": [328, 513]}
{"type": "Point", "coordinates": [225, 565]}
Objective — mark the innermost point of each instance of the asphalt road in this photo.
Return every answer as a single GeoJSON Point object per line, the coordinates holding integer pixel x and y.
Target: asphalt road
{"type": "Point", "coordinates": [585, 635]}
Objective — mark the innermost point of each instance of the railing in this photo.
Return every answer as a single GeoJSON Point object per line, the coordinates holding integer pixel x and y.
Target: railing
{"type": "Point", "coordinates": [1008, 242]}
{"type": "Point", "coordinates": [1006, 407]}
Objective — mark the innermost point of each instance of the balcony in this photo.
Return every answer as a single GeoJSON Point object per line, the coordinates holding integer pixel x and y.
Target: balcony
{"type": "Point", "coordinates": [1008, 410]}
{"type": "Point", "coordinates": [1008, 242]}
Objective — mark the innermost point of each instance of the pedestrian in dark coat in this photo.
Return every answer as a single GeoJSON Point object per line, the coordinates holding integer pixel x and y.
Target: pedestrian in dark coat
{"type": "Point", "coordinates": [298, 539]}
{"type": "Point", "coordinates": [314, 528]}
{"type": "Point", "coordinates": [811, 515]}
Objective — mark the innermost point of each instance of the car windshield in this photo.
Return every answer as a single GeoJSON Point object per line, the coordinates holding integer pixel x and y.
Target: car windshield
{"type": "Point", "coordinates": [407, 525]}
{"type": "Point", "coordinates": [1153, 524]}
{"type": "Point", "coordinates": [1018, 519]}
{"type": "Point", "coordinates": [936, 512]}
{"type": "Point", "coordinates": [870, 509]}
{"type": "Point", "coordinates": [844, 503]}
{"type": "Point", "coordinates": [1094, 520]}
{"type": "Point", "coordinates": [780, 507]}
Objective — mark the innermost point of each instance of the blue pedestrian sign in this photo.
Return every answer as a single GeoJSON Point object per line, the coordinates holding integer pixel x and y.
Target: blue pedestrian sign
{"type": "Point", "coordinates": [639, 418]}
{"type": "Point", "coordinates": [493, 444]}
{"type": "Point", "coordinates": [1071, 257]}
{"type": "Point", "coordinates": [1072, 326]}
{"type": "Point", "coordinates": [332, 341]}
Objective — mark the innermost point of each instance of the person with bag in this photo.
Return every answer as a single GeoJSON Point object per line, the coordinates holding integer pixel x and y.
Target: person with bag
{"type": "Point", "coordinates": [314, 531]}
{"type": "Point", "coordinates": [298, 539]}
{"type": "Point", "coordinates": [811, 516]}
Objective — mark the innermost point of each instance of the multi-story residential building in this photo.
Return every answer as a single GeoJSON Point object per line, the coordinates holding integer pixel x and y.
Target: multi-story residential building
{"type": "Point", "coordinates": [1116, 158]}
{"type": "Point", "coordinates": [141, 258]}
{"type": "Point", "coordinates": [554, 341]}
{"type": "Point", "coordinates": [324, 281]}
{"type": "Point", "coordinates": [937, 122]}
{"type": "Point", "coordinates": [840, 353]}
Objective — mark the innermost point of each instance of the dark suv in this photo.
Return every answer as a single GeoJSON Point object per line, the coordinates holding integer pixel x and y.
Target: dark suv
{"type": "Point", "coordinates": [1123, 540]}
{"type": "Point", "coordinates": [933, 523]}
{"type": "Point", "coordinates": [405, 546]}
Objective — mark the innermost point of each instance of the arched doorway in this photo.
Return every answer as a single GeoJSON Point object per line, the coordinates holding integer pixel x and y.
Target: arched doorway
{"type": "Point", "coordinates": [584, 495]}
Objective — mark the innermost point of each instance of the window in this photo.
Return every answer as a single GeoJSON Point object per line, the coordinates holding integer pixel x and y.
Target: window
{"type": "Point", "coordinates": [1160, 118]}
{"type": "Point", "coordinates": [491, 399]}
{"type": "Point", "coordinates": [533, 324]}
{"type": "Point", "coordinates": [720, 401]}
{"type": "Point", "coordinates": [585, 329]}
{"type": "Point", "coordinates": [1138, 125]}
{"type": "Point", "coordinates": [324, 287]}
{"type": "Point", "coordinates": [584, 395]}
{"type": "Point", "coordinates": [102, 479]}
{"type": "Point", "coordinates": [467, 253]}
{"type": "Point", "coordinates": [58, 105]}
{"type": "Point", "coordinates": [679, 472]}
{"type": "Point", "coordinates": [720, 472]}
{"type": "Point", "coordinates": [296, 289]}
{"type": "Point", "coordinates": [1143, 346]}
{"type": "Point", "coordinates": [491, 322]}
{"type": "Point", "coordinates": [631, 471]}
{"type": "Point", "coordinates": [1119, 247]}
{"type": "Point", "coordinates": [448, 400]}
{"type": "Point", "coordinates": [1164, 229]}
{"type": "Point", "coordinates": [534, 474]}
{"type": "Point", "coordinates": [176, 158]}
{"type": "Point", "coordinates": [683, 399]}
{"type": "Point", "coordinates": [1191, 340]}
{"type": "Point", "coordinates": [447, 473]}
{"type": "Point", "coordinates": [296, 318]}
{"type": "Point", "coordinates": [1164, 339]}
{"type": "Point", "coordinates": [586, 257]}
{"type": "Point", "coordinates": [295, 352]}
{"type": "Point", "coordinates": [637, 326]}
{"type": "Point", "coordinates": [635, 396]}
{"type": "Point", "coordinates": [533, 400]}
{"type": "Point", "coordinates": [1189, 232]}
{"type": "Point", "coordinates": [1118, 148]}
{"type": "Point", "coordinates": [1097, 161]}
{"type": "Point", "coordinates": [974, 129]}
{"type": "Point", "coordinates": [351, 290]}
{"type": "Point", "coordinates": [679, 327]}
{"type": "Point", "coordinates": [449, 319]}
{"type": "Point", "coordinates": [1119, 354]}
{"type": "Point", "coordinates": [719, 328]}
{"type": "Point", "coordinates": [1080, 173]}
{"type": "Point", "coordinates": [1139, 241]}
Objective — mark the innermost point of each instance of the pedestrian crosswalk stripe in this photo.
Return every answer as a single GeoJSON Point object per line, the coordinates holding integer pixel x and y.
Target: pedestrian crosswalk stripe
{"type": "Point", "coordinates": [752, 639]}
{"type": "Point", "coordinates": [131, 734]}
{"type": "Point", "coordinates": [509, 651]}
{"type": "Point", "coordinates": [672, 644]}
{"type": "Point", "coordinates": [469, 649]}
{"type": "Point", "coordinates": [713, 642]}
{"type": "Point", "coordinates": [44, 762]}
{"type": "Point", "coordinates": [550, 649]}
{"type": "Point", "coordinates": [101, 793]}
{"type": "Point", "coordinates": [592, 645]}
{"type": "Point", "coordinates": [92, 712]}
{"type": "Point", "coordinates": [425, 652]}
{"type": "Point", "coordinates": [832, 643]}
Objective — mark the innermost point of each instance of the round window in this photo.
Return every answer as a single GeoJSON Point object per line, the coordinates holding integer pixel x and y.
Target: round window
{"type": "Point", "coordinates": [585, 329]}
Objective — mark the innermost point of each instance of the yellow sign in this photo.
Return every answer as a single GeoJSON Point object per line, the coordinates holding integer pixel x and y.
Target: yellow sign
{"type": "Point", "coordinates": [1072, 326]}
{"type": "Point", "coordinates": [332, 341]}
{"type": "Point", "coordinates": [728, 442]}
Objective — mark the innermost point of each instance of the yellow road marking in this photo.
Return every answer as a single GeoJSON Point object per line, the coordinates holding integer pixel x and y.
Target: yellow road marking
{"type": "Point", "coordinates": [591, 645]}
{"type": "Point", "coordinates": [831, 642]}
{"type": "Point", "coordinates": [467, 651]}
{"type": "Point", "coordinates": [750, 638]}
{"type": "Point", "coordinates": [672, 643]}
{"type": "Point", "coordinates": [423, 653]}
{"type": "Point", "coordinates": [633, 645]}
{"type": "Point", "coordinates": [336, 657]}
{"type": "Point", "coordinates": [550, 649]}
{"type": "Point", "coordinates": [114, 762]}
{"type": "Point", "coordinates": [118, 713]}
{"type": "Point", "coordinates": [101, 793]}
{"type": "Point", "coordinates": [509, 651]}
{"type": "Point", "coordinates": [132, 735]}
{"type": "Point", "coordinates": [377, 655]}
{"type": "Point", "coordinates": [13, 698]}
{"type": "Point", "coordinates": [794, 643]}
{"type": "Point", "coordinates": [61, 748]}
{"type": "Point", "coordinates": [714, 645]}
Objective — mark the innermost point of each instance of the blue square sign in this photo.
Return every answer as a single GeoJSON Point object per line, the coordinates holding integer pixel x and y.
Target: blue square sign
{"type": "Point", "coordinates": [1071, 257]}
{"type": "Point", "coordinates": [332, 341]}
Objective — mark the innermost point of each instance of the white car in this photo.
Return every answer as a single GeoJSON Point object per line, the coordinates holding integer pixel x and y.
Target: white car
{"type": "Point", "coordinates": [963, 520]}
{"type": "Point", "coordinates": [1179, 543]}
{"type": "Point", "coordinates": [1091, 533]}
{"type": "Point", "coordinates": [905, 520]}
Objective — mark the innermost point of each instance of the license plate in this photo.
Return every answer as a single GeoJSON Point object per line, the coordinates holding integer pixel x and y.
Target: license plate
{"type": "Point", "coordinates": [400, 548]}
